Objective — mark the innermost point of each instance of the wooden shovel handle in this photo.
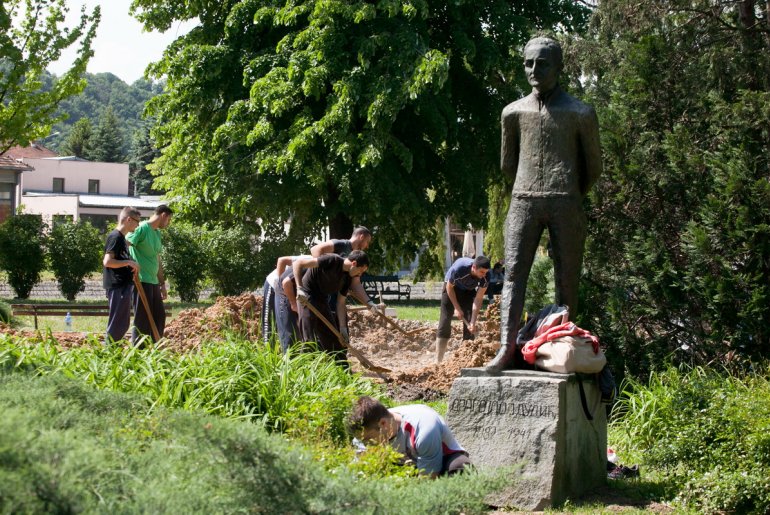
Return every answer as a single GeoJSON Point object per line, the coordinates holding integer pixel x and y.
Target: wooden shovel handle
{"type": "Point", "coordinates": [365, 362]}
{"type": "Point", "coordinates": [146, 304]}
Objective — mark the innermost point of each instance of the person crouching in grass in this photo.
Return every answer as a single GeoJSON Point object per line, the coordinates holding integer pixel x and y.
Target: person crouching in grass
{"type": "Point", "coordinates": [416, 431]}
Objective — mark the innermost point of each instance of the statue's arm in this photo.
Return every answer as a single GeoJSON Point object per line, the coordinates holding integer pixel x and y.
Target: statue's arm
{"type": "Point", "coordinates": [509, 147]}
{"type": "Point", "coordinates": [592, 152]}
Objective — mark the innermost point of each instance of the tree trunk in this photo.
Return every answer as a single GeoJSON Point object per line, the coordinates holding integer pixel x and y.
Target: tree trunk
{"type": "Point", "coordinates": [746, 13]}
{"type": "Point", "coordinates": [340, 224]}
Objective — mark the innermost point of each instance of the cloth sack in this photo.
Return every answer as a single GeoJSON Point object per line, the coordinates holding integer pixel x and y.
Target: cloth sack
{"type": "Point", "coordinates": [568, 354]}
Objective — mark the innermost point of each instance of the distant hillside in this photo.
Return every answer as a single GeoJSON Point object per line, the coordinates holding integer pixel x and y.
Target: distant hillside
{"type": "Point", "coordinates": [103, 90]}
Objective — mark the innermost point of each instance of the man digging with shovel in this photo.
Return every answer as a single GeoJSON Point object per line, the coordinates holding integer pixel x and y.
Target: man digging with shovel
{"type": "Point", "coordinates": [316, 279]}
{"type": "Point", "coordinates": [465, 283]}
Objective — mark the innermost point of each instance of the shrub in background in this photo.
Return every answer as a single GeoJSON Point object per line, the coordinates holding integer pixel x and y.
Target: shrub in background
{"type": "Point", "coordinates": [6, 313]}
{"type": "Point", "coordinates": [232, 263]}
{"type": "Point", "coordinates": [540, 285]}
{"type": "Point", "coordinates": [22, 252]}
{"type": "Point", "coordinates": [184, 260]}
{"type": "Point", "coordinates": [75, 250]}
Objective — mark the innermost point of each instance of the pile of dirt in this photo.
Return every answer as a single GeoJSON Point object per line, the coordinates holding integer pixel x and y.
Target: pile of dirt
{"type": "Point", "coordinates": [186, 331]}
{"type": "Point", "coordinates": [193, 326]}
{"type": "Point", "coordinates": [412, 358]}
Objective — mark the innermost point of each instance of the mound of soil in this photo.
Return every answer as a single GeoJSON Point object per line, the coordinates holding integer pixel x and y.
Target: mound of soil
{"type": "Point", "coordinates": [191, 327]}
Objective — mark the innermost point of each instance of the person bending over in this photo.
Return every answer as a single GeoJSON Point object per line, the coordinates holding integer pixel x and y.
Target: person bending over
{"type": "Point", "coordinates": [416, 431]}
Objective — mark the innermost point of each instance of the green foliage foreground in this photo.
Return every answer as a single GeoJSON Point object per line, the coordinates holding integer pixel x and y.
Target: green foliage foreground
{"type": "Point", "coordinates": [708, 432]}
{"type": "Point", "coordinates": [68, 448]}
{"type": "Point", "coordinates": [233, 378]}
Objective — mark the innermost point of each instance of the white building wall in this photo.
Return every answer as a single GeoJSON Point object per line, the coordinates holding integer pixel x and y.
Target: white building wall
{"type": "Point", "coordinates": [112, 177]}
{"type": "Point", "coordinates": [47, 206]}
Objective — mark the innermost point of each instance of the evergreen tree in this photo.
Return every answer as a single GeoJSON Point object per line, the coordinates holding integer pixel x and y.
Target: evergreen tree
{"type": "Point", "coordinates": [142, 153]}
{"type": "Point", "coordinates": [107, 140]}
{"type": "Point", "coordinates": [78, 142]}
{"type": "Point", "coordinates": [678, 262]}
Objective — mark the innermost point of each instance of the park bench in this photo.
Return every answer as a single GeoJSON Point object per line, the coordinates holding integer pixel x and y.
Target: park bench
{"type": "Point", "coordinates": [385, 285]}
{"type": "Point", "coordinates": [60, 310]}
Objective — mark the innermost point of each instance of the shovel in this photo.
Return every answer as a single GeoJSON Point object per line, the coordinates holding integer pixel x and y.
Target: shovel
{"type": "Point", "coordinates": [365, 362]}
{"type": "Point", "coordinates": [143, 296]}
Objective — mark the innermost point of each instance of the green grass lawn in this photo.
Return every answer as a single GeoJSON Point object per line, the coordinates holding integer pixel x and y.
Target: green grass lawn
{"type": "Point", "coordinates": [419, 309]}
{"type": "Point", "coordinates": [415, 309]}
{"type": "Point", "coordinates": [85, 323]}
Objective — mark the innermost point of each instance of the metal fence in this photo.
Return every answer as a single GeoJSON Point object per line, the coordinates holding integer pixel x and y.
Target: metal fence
{"type": "Point", "coordinates": [94, 291]}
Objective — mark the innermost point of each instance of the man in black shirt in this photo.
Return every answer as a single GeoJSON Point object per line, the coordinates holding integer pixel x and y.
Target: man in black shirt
{"type": "Point", "coordinates": [118, 275]}
{"type": "Point", "coordinates": [316, 279]}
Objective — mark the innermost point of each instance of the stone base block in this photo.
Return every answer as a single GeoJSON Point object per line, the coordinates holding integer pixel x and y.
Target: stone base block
{"type": "Point", "coordinates": [534, 420]}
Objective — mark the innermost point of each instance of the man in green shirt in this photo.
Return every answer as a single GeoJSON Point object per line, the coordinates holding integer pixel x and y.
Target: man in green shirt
{"type": "Point", "coordinates": [145, 249]}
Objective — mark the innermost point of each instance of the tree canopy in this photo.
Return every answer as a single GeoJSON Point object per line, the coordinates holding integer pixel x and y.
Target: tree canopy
{"type": "Point", "coordinates": [32, 36]}
{"type": "Point", "coordinates": [678, 262]}
{"type": "Point", "coordinates": [336, 113]}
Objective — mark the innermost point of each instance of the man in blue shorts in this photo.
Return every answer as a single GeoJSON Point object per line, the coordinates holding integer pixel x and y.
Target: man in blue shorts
{"type": "Point", "coordinates": [465, 283]}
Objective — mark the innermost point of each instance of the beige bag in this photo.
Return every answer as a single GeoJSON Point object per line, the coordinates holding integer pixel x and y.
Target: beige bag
{"type": "Point", "coordinates": [570, 354]}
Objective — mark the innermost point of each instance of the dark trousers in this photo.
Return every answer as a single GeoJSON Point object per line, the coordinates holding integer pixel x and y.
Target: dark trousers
{"type": "Point", "coordinates": [454, 463]}
{"type": "Point", "coordinates": [465, 299]}
{"type": "Point", "coordinates": [285, 321]}
{"type": "Point", "coordinates": [119, 319]}
{"type": "Point", "coordinates": [314, 330]}
{"type": "Point", "coordinates": [527, 218]}
{"type": "Point", "coordinates": [268, 312]}
{"type": "Point", "coordinates": [141, 320]}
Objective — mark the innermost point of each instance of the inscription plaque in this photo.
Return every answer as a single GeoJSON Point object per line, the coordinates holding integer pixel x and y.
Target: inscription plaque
{"type": "Point", "coordinates": [533, 420]}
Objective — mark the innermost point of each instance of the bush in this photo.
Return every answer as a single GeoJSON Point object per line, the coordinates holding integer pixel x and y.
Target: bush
{"type": "Point", "coordinates": [232, 264]}
{"type": "Point", "coordinates": [68, 448]}
{"type": "Point", "coordinates": [184, 260]}
{"type": "Point", "coordinates": [707, 432]}
{"type": "Point", "coordinates": [22, 252]}
{"type": "Point", "coordinates": [75, 249]}
{"type": "Point", "coordinates": [6, 313]}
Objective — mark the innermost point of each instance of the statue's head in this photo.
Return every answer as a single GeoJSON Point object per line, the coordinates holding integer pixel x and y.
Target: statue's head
{"type": "Point", "coordinates": [542, 63]}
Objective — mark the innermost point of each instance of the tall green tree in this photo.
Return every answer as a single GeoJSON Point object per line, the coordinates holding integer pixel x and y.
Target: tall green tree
{"type": "Point", "coordinates": [142, 153]}
{"type": "Point", "coordinates": [107, 139]}
{"type": "Point", "coordinates": [33, 35]}
{"type": "Point", "coordinates": [678, 261]}
{"type": "Point", "coordinates": [334, 113]}
{"type": "Point", "coordinates": [78, 141]}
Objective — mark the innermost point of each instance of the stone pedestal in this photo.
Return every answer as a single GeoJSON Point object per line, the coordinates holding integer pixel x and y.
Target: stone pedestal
{"type": "Point", "coordinates": [534, 420]}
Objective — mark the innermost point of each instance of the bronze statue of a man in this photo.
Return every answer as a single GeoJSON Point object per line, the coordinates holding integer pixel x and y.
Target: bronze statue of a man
{"type": "Point", "coordinates": [550, 148]}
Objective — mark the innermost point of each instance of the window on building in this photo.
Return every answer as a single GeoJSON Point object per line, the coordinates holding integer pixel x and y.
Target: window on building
{"type": "Point", "coordinates": [93, 186]}
{"type": "Point", "coordinates": [101, 222]}
{"type": "Point", "coordinates": [58, 185]}
{"type": "Point", "coordinates": [6, 200]}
